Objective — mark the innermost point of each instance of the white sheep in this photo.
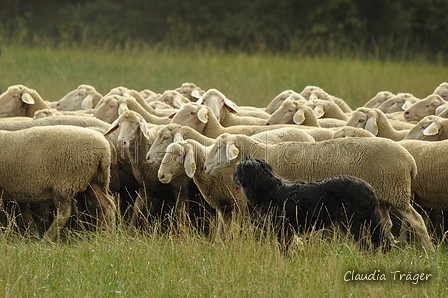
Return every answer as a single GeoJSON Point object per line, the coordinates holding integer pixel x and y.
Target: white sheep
{"type": "Point", "coordinates": [424, 107]}
{"type": "Point", "coordinates": [19, 100]}
{"type": "Point", "coordinates": [378, 99]}
{"type": "Point", "coordinates": [169, 133]}
{"type": "Point", "coordinates": [383, 163]}
{"type": "Point", "coordinates": [52, 165]}
{"type": "Point", "coordinates": [190, 91]}
{"type": "Point", "coordinates": [430, 128]}
{"type": "Point", "coordinates": [327, 109]}
{"type": "Point", "coordinates": [298, 112]}
{"type": "Point", "coordinates": [442, 90]}
{"type": "Point", "coordinates": [149, 95]}
{"type": "Point", "coordinates": [173, 98]}
{"type": "Point", "coordinates": [314, 92]}
{"type": "Point", "coordinates": [375, 122]}
{"type": "Point", "coordinates": [187, 157]}
{"type": "Point", "coordinates": [351, 132]}
{"type": "Point", "coordinates": [275, 103]}
{"type": "Point", "coordinates": [398, 103]}
{"type": "Point", "coordinates": [82, 98]}
{"type": "Point", "coordinates": [225, 109]}
{"type": "Point", "coordinates": [202, 119]}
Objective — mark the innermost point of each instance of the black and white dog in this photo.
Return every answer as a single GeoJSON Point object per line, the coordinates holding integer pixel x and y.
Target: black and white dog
{"type": "Point", "coordinates": [345, 202]}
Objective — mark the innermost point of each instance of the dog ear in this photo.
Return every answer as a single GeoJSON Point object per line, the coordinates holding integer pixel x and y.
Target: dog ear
{"type": "Point", "coordinates": [189, 162]}
{"type": "Point", "coordinates": [231, 151]}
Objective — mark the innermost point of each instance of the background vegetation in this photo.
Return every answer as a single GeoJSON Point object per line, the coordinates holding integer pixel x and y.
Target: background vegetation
{"type": "Point", "coordinates": [381, 28]}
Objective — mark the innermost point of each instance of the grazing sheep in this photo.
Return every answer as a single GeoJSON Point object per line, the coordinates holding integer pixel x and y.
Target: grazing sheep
{"type": "Point", "coordinates": [378, 99]}
{"type": "Point", "coordinates": [169, 133]}
{"type": "Point", "coordinates": [398, 103]}
{"type": "Point", "coordinates": [424, 107]}
{"type": "Point", "coordinates": [375, 122]}
{"type": "Point", "coordinates": [346, 203]}
{"type": "Point", "coordinates": [187, 157]}
{"type": "Point", "coordinates": [298, 112]}
{"type": "Point", "coordinates": [314, 92]}
{"type": "Point", "coordinates": [277, 101]}
{"type": "Point", "coordinates": [225, 109]}
{"type": "Point", "coordinates": [173, 98]}
{"type": "Point", "coordinates": [430, 128]}
{"type": "Point", "coordinates": [82, 98]}
{"type": "Point", "coordinates": [383, 163]}
{"type": "Point", "coordinates": [442, 90]}
{"type": "Point", "coordinates": [50, 165]}
{"type": "Point", "coordinates": [20, 100]}
{"type": "Point", "coordinates": [190, 91]}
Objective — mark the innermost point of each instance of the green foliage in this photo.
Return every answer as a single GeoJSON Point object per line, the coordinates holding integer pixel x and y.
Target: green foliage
{"type": "Point", "coordinates": [311, 27]}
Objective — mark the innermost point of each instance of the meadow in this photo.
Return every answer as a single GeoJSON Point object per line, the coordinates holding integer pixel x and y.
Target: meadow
{"type": "Point", "coordinates": [185, 262]}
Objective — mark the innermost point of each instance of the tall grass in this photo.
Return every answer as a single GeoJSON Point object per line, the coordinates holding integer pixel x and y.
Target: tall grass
{"type": "Point", "coordinates": [187, 263]}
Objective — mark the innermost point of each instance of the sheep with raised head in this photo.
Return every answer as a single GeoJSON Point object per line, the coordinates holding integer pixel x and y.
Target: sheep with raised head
{"type": "Point", "coordinates": [424, 107]}
{"type": "Point", "coordinates": [51, 165]}
{"type": "Point", "coordinates": [19, 100]}
{"type": "Point", "coordinates": [383, 163]}
{"type": "Point", "coordinates": [375, 122]}
{"type": "Point", "coordinates": [276, 102]}
{"type": "Point", "coordinates": [82, 98]}
{"type": "Point", "coordinates": [187, 157]}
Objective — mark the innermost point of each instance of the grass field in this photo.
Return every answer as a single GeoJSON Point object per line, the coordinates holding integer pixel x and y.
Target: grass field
{"type": "Point", "coordinates": [185, 263]}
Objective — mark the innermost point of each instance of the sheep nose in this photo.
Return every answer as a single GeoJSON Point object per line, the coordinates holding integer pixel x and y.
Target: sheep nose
{"type": "Point", "coordinates": [267, 123]}
{"type": "Point", "coordinates": [406, 112]}
{"type": "Point", "coordinates": [161, 177]}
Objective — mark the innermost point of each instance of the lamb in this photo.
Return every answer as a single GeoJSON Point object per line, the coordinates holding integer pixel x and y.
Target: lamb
{"type": "Point", "coordinates": [398, 103]}
{"type": "Point", "coordinates": [345, 203]}
{"type": "Point", "coordinates": [375, 121]}
{"type": "Point", "coordinates": [187, 157]}
{"type": "Point", "coordinates": [424, 107]}
{"type": "Point", "coordinates": [314, 92]}
{"type": "Point", "coordinates": [378, 99]}
{"type": "Point", "coordinates": [51, 165]}
{"type": "Point", "coordinates": [298, 112]}
{"type": "Point", "coordinates": [383, 163]}
{"type": "Point", "coordinates": [19, 100]}
{"type": "Point", "coordinates": [169, 133]}
{"type": "Point", "coordinates": [83, 98]}
{"type": "Point", "coordinates": [225, 109]}
{"type": "Point", "coordinates": [430, 183]}
{"type": "Point", "coordinates": [430, 128]}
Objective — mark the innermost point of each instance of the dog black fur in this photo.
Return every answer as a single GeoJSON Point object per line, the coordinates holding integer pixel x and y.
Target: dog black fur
{"type": "Point", "coordinates": [345, 202]}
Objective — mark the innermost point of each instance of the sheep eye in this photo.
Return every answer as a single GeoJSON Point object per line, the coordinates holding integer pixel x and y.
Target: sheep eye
{"type": "Point", "coordinates": [361, 120]}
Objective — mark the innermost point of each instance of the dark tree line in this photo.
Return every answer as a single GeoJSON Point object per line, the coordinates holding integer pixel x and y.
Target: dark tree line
{"type": "Point", "coordinates": [281, 25]}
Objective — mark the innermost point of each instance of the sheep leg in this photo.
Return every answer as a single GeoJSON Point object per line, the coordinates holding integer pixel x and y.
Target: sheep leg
{"type": "Point", "coordinates": [63, 212]}
{"type": "Point", "coordinates": [106, 206]}
{"type": "Point", "coordinates": [384, 211]}
{"type": "Point", "coordinates": [417, 223]}
{"type": "Point", "coordinates": [140, 201]}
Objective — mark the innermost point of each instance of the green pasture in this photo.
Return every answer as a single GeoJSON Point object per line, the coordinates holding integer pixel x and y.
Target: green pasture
{"type": "Point", "coordinates": [187, 263]}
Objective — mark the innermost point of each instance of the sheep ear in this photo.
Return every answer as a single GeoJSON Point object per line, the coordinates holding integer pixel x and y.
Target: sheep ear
{"type": "Point", "coordinates": [178, 137]}
{"type": "Point", "coordinates": [195, 94]}
{"type": "Point", "coordinates": [432, 129]}
{"type": "Point", "coordinates": [406, 105]}
{"type": "Point", "coordinates": [231, 151]}
{"type": "Point", "coordinates": [203, 115]}
{"type": "Point", "coordinates": [113, 127]}
{"type": "Point", "coordinates": [313, 97]}
{"type": "Point", "coordinates": [319, 111]}
{"type": "Point", "coordinates": [440, 109]}
{"type": "Point", "coordinates": [299, 116]}
{"type": "Point", "coordinates": [87, 102]}
{"type": "Point", "coordinates": [177, 103]}
{"type": "Point", "coordinates": [122, 108]}
{"type": "Point", "coordinates": [230, 105]}
{"type": "Point", "coordinates": [200, 100]}
{"type": "Point", "coordinates": [143, 127]}
{"type": "Point", "coordinates": [27, 98]}
{"type": "Point", "coordinates": [189, 163]}
{"type": "Point", "coordinates": [372, 126]}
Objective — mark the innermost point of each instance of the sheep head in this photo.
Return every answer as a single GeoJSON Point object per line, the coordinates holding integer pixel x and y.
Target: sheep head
{"type": "Point", "coordinates": [193, 115]}
{"type": "Point", "coordinates": [179, 158]}
{"type": "Point", "coordinates": [108, 108]}
{"type": "Point", "coordinates": [221, 153]}
{"type": "Point", "coordinates": [398, 103]}
{"type": "Point", "coordinates": [277, 101]}
{"type": "Point", "coordinates": [13, 100]}
{"type": "Point", "coordinates": [442, 90]}
{"type": "Point", "coordinates": [217, 102]}
{"type": "Point", "coordinates": [130, 123]}
{"type": "Point", "coordinates": [365, 118]}
{"type": "Point", "coordinates": [423, 107]}
{"type": "Point", "coordinates": [428, 129]}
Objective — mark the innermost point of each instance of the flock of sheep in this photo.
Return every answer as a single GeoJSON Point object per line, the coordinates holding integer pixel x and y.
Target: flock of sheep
{"type": "Point", "coordinates": [132, 154]}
